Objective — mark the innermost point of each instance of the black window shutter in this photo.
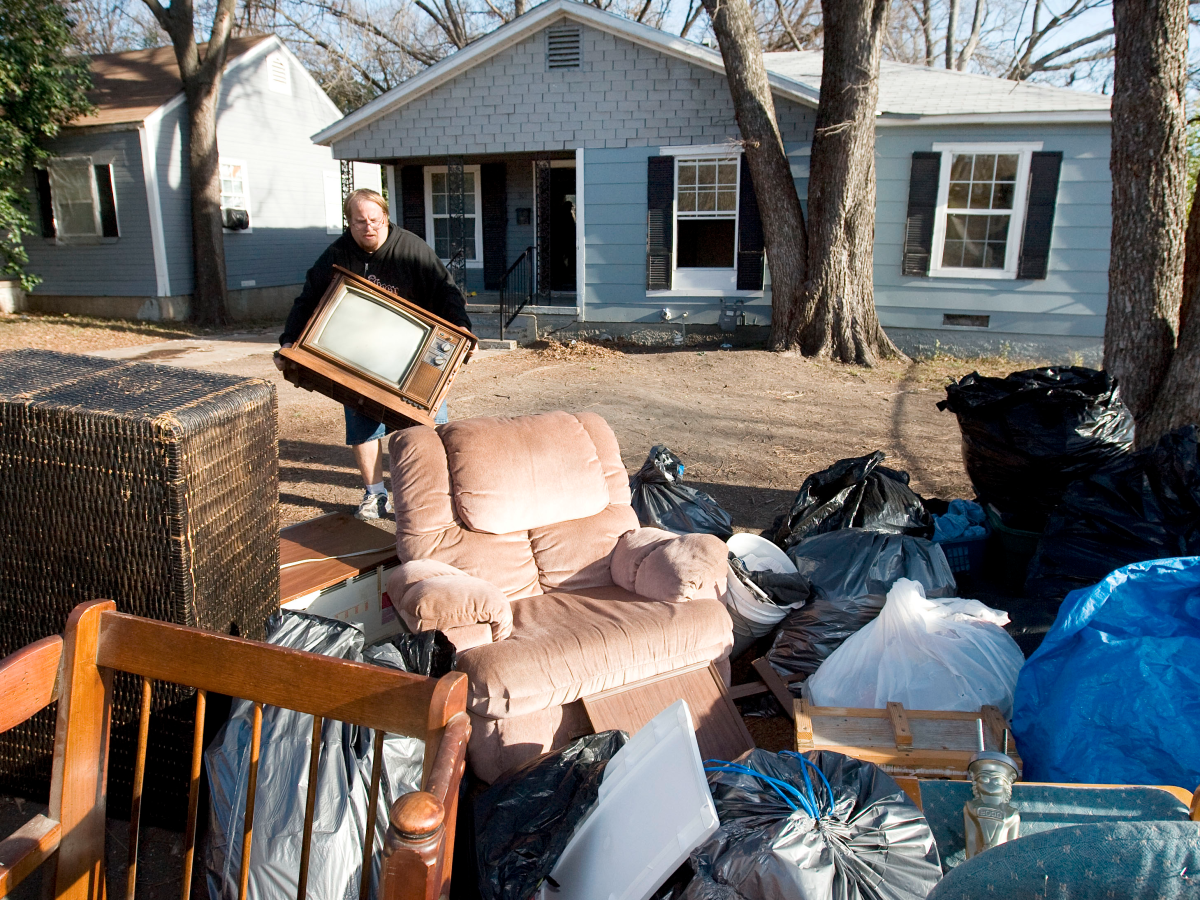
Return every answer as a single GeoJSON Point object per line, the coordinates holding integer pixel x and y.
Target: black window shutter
{"type": "Point", "coordinates": [1044, 169]}
{"type": "Point", "coordinates": [922, 207]}
{"type": "Point", "coordinates": [493, 185]}
{"type": "Point", "coordinates": [660, 203]}
{"type": "Point", "coordinates": [412, 199]}
{"type": "Point", "coordinates": [45, 204]}
{"type": "Point", "coordinates": [750, 235]}
{"type": "Point", "coordinates": [108, 201]}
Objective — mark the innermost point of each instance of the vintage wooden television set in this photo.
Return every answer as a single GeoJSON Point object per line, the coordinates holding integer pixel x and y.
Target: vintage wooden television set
{"type": "Point", "coordinates": [377, 352]}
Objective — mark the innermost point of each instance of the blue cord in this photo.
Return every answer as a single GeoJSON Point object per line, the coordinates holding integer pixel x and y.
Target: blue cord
{"type": "Point", "coordinates": [807, 800]}
{"type": "Point", "coordinates": [807, 764]}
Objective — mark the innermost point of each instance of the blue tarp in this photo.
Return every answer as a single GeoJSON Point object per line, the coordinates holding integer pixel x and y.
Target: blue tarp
{"type": "Point", "coordinates": [1113, 693]}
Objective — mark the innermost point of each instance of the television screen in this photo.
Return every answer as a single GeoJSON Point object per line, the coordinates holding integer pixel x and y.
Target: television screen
{"type": "Point", "coordinates": [371, 336]}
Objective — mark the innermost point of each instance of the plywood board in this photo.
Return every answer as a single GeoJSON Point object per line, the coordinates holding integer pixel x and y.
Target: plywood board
{"type": "Point", "coordinates": [329, 541]}
{"type": "Point", "coordinates": [720, 731]}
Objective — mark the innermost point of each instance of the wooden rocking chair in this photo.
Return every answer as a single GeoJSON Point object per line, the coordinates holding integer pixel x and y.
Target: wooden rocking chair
{"type": "Point", "coordinates": [77, 668]}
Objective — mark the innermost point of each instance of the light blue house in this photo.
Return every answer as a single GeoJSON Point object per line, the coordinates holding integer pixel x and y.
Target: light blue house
{"type": "Point", "coordinates": [611, 149]}
{"type": "Point", "coordinates": [114, 203]}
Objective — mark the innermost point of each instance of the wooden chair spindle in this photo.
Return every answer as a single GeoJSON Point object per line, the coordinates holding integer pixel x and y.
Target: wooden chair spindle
{"type": "Point", "coordinates": [364, 887]}
{"type": "Point", "coordinates": [310, 807]}
{"type": "Point", "coordinates": [139, 775]}
{"type": "Point", "coordinates": [251, 789]}
{"type": "Point", "coordinates": [189, 839]}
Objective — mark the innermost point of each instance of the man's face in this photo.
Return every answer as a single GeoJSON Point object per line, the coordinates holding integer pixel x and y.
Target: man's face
{"type": "Point", "coordinates": [368, 225]}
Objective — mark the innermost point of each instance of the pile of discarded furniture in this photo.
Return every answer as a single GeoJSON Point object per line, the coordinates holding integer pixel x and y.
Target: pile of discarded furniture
{"type": "Point", "coordinates": [568, 634]}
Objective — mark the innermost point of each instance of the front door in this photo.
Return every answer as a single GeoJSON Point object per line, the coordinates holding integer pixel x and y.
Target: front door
{"type": "Point", "coordinates": [556, 227]}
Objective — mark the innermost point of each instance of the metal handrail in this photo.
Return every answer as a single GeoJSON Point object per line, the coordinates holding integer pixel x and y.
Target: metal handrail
{"type": "Point", "coordinates": [516, 284]}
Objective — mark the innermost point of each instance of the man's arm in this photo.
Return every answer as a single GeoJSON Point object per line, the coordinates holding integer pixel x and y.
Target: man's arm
{"type": "Point", "coordinates": [316, 283]}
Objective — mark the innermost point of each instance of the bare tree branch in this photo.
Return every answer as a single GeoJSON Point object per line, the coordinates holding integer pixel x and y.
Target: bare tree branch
{"type": "Point", "coordinates": [976, 29]}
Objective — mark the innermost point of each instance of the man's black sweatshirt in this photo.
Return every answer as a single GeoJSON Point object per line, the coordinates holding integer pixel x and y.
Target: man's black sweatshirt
{"type": "Point", "coordinates": [404, 265]}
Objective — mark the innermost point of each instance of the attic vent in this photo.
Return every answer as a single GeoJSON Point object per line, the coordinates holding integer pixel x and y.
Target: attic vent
{"type": "Point", "coordinates": [563, 48]}
{"type": "Point", "coordinates": [278, 76]}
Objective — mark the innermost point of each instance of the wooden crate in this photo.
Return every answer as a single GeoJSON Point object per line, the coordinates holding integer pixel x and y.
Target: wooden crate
{"type": "Point", "coordinates": [917, 742]}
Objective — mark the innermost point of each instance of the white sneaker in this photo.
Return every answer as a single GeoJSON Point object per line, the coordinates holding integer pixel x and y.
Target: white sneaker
{"type": "Point", "coordinates": [373, 506]}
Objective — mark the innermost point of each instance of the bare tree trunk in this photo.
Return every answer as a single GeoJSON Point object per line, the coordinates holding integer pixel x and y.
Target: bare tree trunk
{"type": "Point", "coordinates": [209, 298]}
{"type": "Point", "coordinates": [951, 27]}
{"type": "Point", "coordinates": [1191, 261]}
{"type": "Point", "coordinates": [1178, 400]}
{"type": "Point", "coordinates": [968, 51]}
{"type": "Point", "coordinates": [1149, 175]}
{"type": "Point", "coordinates": [838, 316]}
{"type": "Point", "coordinates": [927, 31]}
{"type": "Point", "coordinates": [202, 88]}
{"type": "Point", "coordinates": [778, 203]}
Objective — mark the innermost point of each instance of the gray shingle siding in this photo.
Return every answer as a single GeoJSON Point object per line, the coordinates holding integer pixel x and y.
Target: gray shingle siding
{"type": "Point", "coordinates": [121, 267]}
{"type": "Point", "coordinates": [623, 95]}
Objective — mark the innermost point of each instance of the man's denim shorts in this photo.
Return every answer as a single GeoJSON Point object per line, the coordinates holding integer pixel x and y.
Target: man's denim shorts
{"type": "Point", "coordinates": [361, 429]}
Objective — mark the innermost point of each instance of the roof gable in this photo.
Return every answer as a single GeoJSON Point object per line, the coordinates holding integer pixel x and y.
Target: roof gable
{"type": "Point", "coordinates": [127, 87]}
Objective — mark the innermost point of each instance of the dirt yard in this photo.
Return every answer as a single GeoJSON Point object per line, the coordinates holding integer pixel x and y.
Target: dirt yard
{"type": "Point", "coordinates": [748, 424]}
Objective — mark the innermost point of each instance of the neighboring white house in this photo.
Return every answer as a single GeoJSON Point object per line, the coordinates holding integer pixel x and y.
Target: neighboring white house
{"type": "Point", "coordinates": [610, 150]}
{"type": "Point", "coordinates": [114, 203]}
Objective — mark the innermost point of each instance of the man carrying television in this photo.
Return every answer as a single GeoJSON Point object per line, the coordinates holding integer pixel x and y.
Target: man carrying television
{"type": "Point", "coordinates": [398, 261]}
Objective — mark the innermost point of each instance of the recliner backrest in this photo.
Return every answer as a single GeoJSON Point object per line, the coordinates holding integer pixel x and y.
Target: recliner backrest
{"type": "Point", "coordinates": [531, 504]}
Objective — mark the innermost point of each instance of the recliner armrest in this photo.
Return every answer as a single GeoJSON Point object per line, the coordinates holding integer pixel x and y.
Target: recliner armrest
{"type": "Point", "coordinates": [660, 565]}
{"type": "Point", "coordinates": [434, 595]}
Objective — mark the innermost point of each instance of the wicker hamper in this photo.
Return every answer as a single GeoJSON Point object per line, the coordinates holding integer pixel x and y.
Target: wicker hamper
{"type": "Point", "coordinates": [153, 486]}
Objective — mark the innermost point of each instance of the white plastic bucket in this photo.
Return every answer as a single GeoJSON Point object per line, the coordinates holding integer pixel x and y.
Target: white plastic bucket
{"type": "Point", "coordinates": [753, 613]}
{"type": "Point", "coordinates": [759, 555]}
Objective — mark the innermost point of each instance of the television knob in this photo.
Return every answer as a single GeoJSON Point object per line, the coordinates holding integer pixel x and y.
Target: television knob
{"type": "Point", "coordinates": [439, 360]}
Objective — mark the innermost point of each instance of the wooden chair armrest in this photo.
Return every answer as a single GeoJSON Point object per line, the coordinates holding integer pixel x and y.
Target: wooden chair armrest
{"type": "Point", "coordinates": [26, 849]}
{"type": "Point", "coordinates": [29, 680]}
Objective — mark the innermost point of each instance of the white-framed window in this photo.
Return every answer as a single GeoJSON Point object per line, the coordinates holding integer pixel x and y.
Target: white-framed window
{"type": "Point", "coordinates": [235, 195]}
{"type": "Point", "coordinates": [706, 220]}
{"type": "Point", "coordinates": [980, 216]}
{"type": "Point", "coordinates": [77, 200]}
{"type": "Point", "coordinates": [437, 213]}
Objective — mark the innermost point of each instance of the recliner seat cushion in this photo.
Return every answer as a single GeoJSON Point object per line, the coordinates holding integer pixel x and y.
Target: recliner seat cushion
{"type": "Point", "coordinates": [566, 646]}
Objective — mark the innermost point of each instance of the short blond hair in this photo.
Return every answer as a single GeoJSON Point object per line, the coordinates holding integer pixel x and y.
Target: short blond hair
{"type": "Point", "coordinates": [364, 194]}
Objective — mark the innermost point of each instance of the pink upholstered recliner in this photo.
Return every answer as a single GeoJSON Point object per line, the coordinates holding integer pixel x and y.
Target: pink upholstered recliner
{"type": "Point", "coordinates": [518, 541]}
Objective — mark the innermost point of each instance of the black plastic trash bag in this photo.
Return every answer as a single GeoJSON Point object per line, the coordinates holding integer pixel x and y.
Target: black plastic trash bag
{"type": "Point", "coordinates": [1029, 435]}
{"type": "Point", "coordinates": [661, 500]}
{"type": "Point", "coordinates": [1144, 506]}
{"type": "Point", "coordinates": [343, 784]}
{"type": "Point", "coordinates": [867, 841]}
{"type": "Point", "coordinates": [525, 820]}
{"type": "Point", "coordinates": [851, 572]}
{"type": "Point", "coordinates": [428, 653]}
{"type": "Point", "coordinates": [855, 493]}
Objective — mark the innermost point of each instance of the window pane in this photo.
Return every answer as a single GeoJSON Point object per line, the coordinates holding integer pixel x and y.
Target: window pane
{"type": "Point", "coordinates": [977, 228]}
{"type": "Point", "coordinates": [960, 168]}
{"type": "Point", "coordinates": [952, 254]}
{"type": "Point", "coordinates": [706, 201]}
{"type": "Point", "coordinates": [998, 228]}
{"type": "Point", "coordinates": [1002, 196]}
{"type": "Point", "coordinates": [705, 243]}
{"type": "Point", "coordinates": [985, 167]}
{"type": "Point", "coordinates": [687, 174]}
{"type": "Point", "coordinates": [687, 201]}
{"type": "Point", "coordinates": [994, 257]}
{"type": "Point", "coordinates": [959, 193]}
{"type": "Point", "coordinates": [727, 173]}
{"type": "Point", "coordinates": [981, 196]}
{"type": "Point", "coordinates": [441, 238]}
{"type": "Point", "coordinates": [1006, 167]}
{"type": "Point", "coordinates": [71, 194]}
{"type": "Point", "coordinates": [439, 204]}
{"type": "Point", "coordinates": [972, 255]}
{"type": "Point", "coordinates": [469, 238]}
{"type": "Point", "coordinates": [956, 228]}
{"type": "Point", "coordinates": [706, 174]}
{"type": "Point", "coordinates": [469, 193]}
{"type": "Point", "coordinates": [438, 182]}
{"type": "Point", "coordinates": [727, 200]}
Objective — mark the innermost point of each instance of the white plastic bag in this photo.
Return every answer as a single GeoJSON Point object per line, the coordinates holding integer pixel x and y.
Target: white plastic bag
{"type": "Point", "coordinates": [948, 654]}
